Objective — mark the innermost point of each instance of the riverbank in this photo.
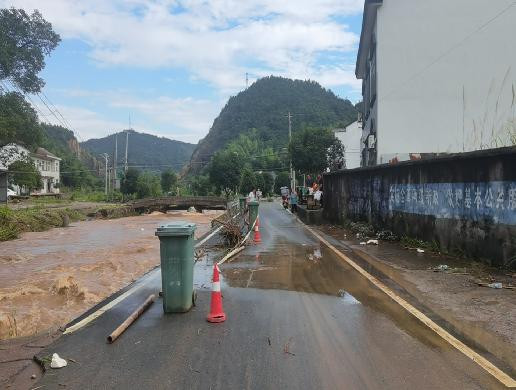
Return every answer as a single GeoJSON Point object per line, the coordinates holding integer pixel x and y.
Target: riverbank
{"type": "Point", "coordinates": [41, 217]}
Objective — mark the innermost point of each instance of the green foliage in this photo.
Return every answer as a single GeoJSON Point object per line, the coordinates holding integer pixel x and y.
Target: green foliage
{"type": "Point", "coordinates": [335, 156]}
{"type": "Point", "coordinates": [24, 42]}
{"type": "Point", "coordinates": [18, 121]}
{"type": "Point", "coordinates": [259, 182]}
{"type": "Point", "coordinates": [309, 149]}
{"type": "Point", "coordinates": [282, 180]}
{"type": "Point", "coordinates": [148, 185]}
{"type": "Point", "coordinates": [268, 182]}
{"type": "Point", "coordinates": [155, 153]}
{"type": "Point", "coordinates": [225, 170]}
{"type": "Point", "coordinates": [201, 186]}
{"type": "Point", "coordinates": [247, 181]}
{"type": "Point", "coordinates": [74, 172]}
{"type": "Point", "coordinates": [129, 181]}
{"type": "Point", "coordinates": [260, 112]}
{"type": "Point", "coordinates": [25, 174]}
{"type": "Point", "coordinates": [168, 180]}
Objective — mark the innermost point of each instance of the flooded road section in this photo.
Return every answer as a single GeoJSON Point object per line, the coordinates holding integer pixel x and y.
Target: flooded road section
{"type": "Point", "coordinates": [49, 278]}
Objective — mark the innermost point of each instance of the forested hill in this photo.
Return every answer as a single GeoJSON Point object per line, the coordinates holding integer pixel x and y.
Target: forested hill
{"type": "Point", "coordinates": [145, 150]}
{"type": "Point", "coordinates": [264, 107]}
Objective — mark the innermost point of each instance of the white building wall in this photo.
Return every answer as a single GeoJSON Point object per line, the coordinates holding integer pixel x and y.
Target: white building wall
{"type": "Point", "coordinates": [438, 62]}
{"type": "Point", "coordinates": [350, 138]}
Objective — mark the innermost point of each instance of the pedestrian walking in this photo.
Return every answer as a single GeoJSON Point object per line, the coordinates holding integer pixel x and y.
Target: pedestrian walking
{"type": "Point", "coordinates": [293, 201]}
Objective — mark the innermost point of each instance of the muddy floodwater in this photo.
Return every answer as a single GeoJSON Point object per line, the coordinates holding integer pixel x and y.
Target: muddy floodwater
{"type": "Point", "coordinates": [49, 278]}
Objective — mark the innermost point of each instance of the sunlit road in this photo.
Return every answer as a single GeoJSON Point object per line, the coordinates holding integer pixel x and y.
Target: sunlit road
{"type": "Point", "coordinates": [298, 318]}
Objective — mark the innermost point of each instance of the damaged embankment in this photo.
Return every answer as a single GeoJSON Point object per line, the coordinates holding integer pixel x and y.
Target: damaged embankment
{"type": "Point", "coordinates": [38, 219]}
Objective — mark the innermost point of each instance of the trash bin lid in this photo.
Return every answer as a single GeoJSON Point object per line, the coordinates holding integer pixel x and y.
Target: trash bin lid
{"type": "Point", "coordinates": [176, 229]}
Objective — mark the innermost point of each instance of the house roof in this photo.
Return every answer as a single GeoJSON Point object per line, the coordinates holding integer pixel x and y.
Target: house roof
{"type": "Point", "coordinates": [43, 153]}
{"type": "Point", "coordinates": [368, 22]}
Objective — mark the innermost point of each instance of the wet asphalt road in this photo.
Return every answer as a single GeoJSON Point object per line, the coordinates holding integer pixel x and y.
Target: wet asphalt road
{"type": "Point", "coordinates": [298, 318]}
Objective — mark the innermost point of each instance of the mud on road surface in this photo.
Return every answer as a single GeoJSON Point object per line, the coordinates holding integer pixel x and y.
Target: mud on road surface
{"type": "Point", "coordinates": [49, 278]}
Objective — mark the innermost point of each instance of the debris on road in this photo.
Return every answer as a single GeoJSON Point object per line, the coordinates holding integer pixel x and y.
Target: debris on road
{"type": "Point", "coordinates": [496, 285]}
{"type": "Point", "coordinates": [269, 340]}
{"type": "Point", "coordinates": [441, 268]}
{"type": "Point", "coordinates": [372, 242]}
{"type": "Point", "coordinates": [135, 315]}
{"type": "Point", "coordinates": [363, 243]}
{"type": "Point", "coordinates": [286, 348]}
{"type": "Point", "coordinates": [57, 361]}
{"type": "Point", "coordinates": [419, 250]}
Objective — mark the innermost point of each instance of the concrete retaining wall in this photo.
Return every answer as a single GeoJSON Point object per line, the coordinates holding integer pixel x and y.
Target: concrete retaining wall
{"type": "Point", "coordinates": [466, 202]}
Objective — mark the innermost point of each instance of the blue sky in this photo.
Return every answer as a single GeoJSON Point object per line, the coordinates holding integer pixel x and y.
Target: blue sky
{"type": "Point", "coordinates": [172, 64]}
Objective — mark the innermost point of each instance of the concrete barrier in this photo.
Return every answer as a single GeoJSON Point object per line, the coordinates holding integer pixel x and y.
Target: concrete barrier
{"type": "Point", "coordinates": [466, 202]}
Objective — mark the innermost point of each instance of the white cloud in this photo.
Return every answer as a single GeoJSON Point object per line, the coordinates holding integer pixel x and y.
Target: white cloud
{"type": "Point", "coordinates": [183, 119]}
{"type": "Point", "coordinates": [216, 41]}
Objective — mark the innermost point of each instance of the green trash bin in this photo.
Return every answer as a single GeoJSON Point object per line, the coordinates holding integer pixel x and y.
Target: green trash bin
{"type": "Point", "coordinates": [253, 212]}
{"type": "Point", "coordinates": [177, 263]}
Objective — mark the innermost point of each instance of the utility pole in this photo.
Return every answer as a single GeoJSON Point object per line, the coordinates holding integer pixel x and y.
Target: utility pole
{"type": "Point", "coordinates": [115, 161]}
{"type": "Point", "coordinates": [292, 178]}
{"type": "Point", "coordinates": [126, 147]}
{"type": "Point", "coordinates": [105, 155]}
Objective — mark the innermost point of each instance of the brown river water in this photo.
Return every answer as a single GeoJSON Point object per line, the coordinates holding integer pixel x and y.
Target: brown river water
{"type": "Point", "coordinates": [49, 278]}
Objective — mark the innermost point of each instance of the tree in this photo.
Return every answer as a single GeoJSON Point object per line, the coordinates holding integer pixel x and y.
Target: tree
{"type": "Point", "coordinates": [282, 180]}
{"type": "Point", "coordinates": [129, 181]}
{"type": "Point", "coordinates": [309, 149]}
{"type": "Point", "coordinates": [24, 42]}
{"type": "Point", "coordinates": [335, 156]}
{"type": "Point", "coordinates": [268, 181]}
{"type": "Point", "coordinates": [148, 185]}
{"type": "Point", "coordinates": [18, 121]}
{"type": "Point", "coordinates": [168, 180]}
{"type": "Point", "coordinates": [247, 181]}
{"type": "Point", "coordinates": [201, 185]}
{"type": "Point", "coordinates": [259, 182]}
{"type": "Point", "coordinates": [225, 170]}
{"type": "Point", "coordinates": [24, 173]}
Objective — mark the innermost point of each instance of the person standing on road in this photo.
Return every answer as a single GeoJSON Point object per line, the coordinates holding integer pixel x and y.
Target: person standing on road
{"type": "Point", "coordinates": [259, 194]}
{"type": "Point", "coordinates": [252, 195]}
{"type": "Point", "coordinates": [293, 201]}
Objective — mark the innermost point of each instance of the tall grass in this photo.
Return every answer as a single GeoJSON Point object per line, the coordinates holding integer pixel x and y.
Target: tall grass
{"type": "Point", "coordinates": [14, 222]}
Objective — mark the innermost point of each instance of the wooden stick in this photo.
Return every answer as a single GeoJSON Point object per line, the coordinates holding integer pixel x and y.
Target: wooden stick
{"type": "Point", "coordinates": [137, 313]}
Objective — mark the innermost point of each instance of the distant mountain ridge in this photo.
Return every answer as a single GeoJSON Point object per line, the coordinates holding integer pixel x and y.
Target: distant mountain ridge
{"type": "Point", "coordinates": [145, 151]}
{"type": "Point", "coordinates": [264, 107]}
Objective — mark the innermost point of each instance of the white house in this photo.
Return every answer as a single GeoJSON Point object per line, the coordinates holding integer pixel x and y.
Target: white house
{"type": "Point", "coordinates": [438, 76]}
{"type": "Point", "coordinates": [47, 163]}
{"type": "Point", "coordinates": [350, 136]}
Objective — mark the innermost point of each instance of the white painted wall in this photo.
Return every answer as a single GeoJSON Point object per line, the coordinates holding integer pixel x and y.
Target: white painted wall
{"type": "Point", "coordinates": [350, 137]}
{"type": "Point", "coordinates": [428, 53]}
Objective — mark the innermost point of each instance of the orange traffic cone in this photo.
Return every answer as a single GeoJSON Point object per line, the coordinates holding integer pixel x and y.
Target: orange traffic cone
{"type": "Point", "coordinates": [216, 312]}
{"type": "Point", "coordinates": [257, 235]}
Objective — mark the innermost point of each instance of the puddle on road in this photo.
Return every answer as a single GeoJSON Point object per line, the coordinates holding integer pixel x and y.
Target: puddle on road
{"type": "Point", "coordinates": [315, 269]}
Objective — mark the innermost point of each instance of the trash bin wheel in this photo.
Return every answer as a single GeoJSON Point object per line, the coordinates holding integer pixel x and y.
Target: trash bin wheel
{"type": "Point", "coordinates": [194, 298]}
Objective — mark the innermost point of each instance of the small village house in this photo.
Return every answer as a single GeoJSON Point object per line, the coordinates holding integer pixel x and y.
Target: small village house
{"type": "Point", "coordinates": [47, 164]}
{"type": "Point", "coordinates": [437, 76]}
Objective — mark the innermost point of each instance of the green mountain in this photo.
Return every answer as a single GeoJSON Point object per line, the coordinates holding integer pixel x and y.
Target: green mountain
{"type": "Point", "coordinates": [145, 150]}
{"type": "Point", "coordinates": [261, 111]}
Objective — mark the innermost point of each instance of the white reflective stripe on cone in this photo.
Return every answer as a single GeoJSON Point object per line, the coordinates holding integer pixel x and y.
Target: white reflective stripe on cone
{"type": "Point", "coordinates": [216, 286]}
